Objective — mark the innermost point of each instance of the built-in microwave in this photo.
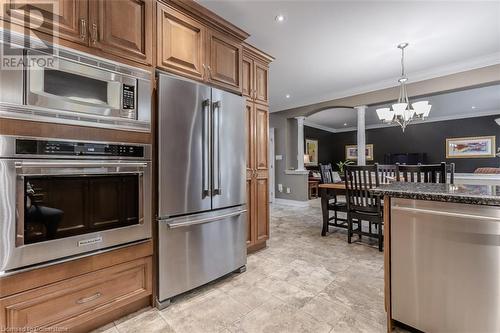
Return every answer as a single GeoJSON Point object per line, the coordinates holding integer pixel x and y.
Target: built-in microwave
{"type": "Point", "coordinates": [63, 198]}
{"type": "Point", "coordinates": [75, 88]}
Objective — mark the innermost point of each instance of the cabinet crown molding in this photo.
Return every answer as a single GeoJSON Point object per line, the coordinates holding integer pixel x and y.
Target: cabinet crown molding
{"type": "Point", "coordinates": [207, 17]}
{"type": "Point", "coordinates": [253, 52]}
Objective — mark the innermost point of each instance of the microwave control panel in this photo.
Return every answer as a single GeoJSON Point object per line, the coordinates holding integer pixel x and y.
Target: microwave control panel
{"type": "Point", "coordinates": [42, 147]}
{"type": "Point", "coordinates": [128, 97]}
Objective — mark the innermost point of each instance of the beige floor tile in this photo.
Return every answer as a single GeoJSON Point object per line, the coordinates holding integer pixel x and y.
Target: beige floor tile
{"type": "Point", "coordinates": [286, 292]}
{"type": "Point", "coordinates": [147, 321]}
{"type": "Point", "coordinates": [301, 283]}
{"type": "Point", "coordinates": [110, 328]}
{"type": "Point", "coordinates": [212, 314]}
{"type": "Point", "coordinates": [277, 316]}
{"type": "Point", "coordinates": [322, 308]}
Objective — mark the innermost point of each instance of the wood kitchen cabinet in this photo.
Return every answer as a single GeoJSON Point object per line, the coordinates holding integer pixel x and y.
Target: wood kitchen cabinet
{"type": "Point", "coordinates": [79, 295]}
{"type": "Point", "coordinates": [180, 43]}
{"type": "Point", "coordinates": [255, 75]}
{"type": "Point", "coordinates": [188, 44]}
{"type": "Point", "coordinates": [257, 126]}
{"type": "Point", "coordinates": [255, 72]}
{"type": "Point", "coordinates": [224, 61]}
{"type": "Point", "coordinates": [64, 19]}
{"type": "Point", "coordinates": [121, 28]}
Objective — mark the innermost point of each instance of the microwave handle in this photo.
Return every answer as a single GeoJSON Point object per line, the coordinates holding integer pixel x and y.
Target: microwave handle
{"type": "Point", "coordinates": [77, 164]}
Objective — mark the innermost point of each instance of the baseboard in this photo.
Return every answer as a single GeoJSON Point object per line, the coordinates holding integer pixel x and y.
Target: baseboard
{"type": "Point", "coordinates": [288, 202]}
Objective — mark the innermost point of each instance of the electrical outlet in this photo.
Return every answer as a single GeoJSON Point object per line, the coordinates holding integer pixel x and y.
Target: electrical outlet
{"type": "Point", "coordinates": [288, 190]}
{"type": "Point", "coordinates": [280, 187]}
{"type": "Point", "coordinates": [279, 157]}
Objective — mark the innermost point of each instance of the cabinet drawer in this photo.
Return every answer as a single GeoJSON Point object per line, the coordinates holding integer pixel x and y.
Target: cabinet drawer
{"type": "Point", "coordinates": [69, 303]}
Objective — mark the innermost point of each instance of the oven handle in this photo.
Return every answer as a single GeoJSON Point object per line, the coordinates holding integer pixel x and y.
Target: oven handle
{"type": "Point", "coordinates": [69, 164]}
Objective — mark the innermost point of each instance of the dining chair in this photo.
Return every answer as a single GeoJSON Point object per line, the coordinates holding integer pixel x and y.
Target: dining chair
{"type": "Point", "coordinates": [386, 173]}
{"type": "Point", "coordinates": [450, 170]}
{"type": "Point", "coordinates": [422, 173]}
{"type": "Point", "coordinates": [334, 205]}
{"type": "Point", "coordinates": [362, 205]}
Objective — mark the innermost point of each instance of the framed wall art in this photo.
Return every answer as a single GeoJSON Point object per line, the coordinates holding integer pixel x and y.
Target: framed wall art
{"type": "Point", "coordinates": [471, 147]}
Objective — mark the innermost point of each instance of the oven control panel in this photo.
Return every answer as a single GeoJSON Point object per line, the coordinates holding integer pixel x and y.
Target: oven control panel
{"type": "Point", "coordinates": [41, 147]}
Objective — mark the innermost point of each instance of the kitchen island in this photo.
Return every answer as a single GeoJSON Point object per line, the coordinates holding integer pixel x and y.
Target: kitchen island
{"type": "Point", "coordinates": [442, 256]}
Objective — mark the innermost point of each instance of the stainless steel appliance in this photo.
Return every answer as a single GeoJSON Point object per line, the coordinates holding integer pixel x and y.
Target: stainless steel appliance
{"type": "Point", "coordinates": [445, 266]}
{"type": "Point", "coordinates": [75, 88]}
{"type": "Point", "coordinates": [202, 195]}
{"type": "Point", "coordinates": [63, 198]}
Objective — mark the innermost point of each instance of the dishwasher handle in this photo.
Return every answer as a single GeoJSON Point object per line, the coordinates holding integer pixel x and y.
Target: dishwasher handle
{"type": "Point", "coordinates": [445, 213]}
{"type": "Point", "coordinates": [175, 225]}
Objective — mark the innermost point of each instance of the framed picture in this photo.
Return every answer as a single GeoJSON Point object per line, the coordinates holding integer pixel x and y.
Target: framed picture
{"type": "Point", "coordinates": [472, 147]}
{"type": "Point", "coordinates": [311, 157]}
{"type": "Point", "coordinates": [351, 152]}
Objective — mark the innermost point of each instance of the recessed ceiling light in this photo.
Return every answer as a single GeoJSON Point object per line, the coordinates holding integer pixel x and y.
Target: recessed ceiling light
{"type": "Point", "coordinates": [345, 124]}
{"type": "Point", "coordinates": [287, 95]}
{"type": "Point", "coordinates": [473, 107]}
{"type": "Point", "coordinates": [279, 18]}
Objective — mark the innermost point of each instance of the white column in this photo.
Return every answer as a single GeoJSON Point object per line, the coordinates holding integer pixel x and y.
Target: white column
{"type": "Point", "coordinates": [361, 134]}
{"type": "Point", "coordinates": [300, 143]}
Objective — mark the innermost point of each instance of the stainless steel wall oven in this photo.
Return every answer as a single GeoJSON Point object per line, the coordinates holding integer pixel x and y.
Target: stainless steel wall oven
{"type": "Point", "coordinates": [63, 198]}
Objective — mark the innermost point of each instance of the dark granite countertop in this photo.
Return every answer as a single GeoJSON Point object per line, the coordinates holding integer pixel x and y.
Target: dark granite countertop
{"type": "Point", "coordinates": [461, 193]}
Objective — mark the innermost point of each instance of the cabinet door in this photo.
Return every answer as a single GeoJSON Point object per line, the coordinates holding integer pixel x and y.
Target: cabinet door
{"type": "Point", "coordinates": [66, 19]}
{"type": "Point", "coordinates": [224, 59]}
{"type": "Point", "coordinates": [262, 207]}
{"type": "Point", "coordinates": [261, 136]}
{"type": "Point", "coordinates": [247, 77]}
{"type": "Point", "coordinates": [261, 78]}
{"type": "Point", "coordinates": [180, 44]}
{"type": "Point", "coordinates": [70, 303]}
{"type": "Point", "coordinates": [123, 28]}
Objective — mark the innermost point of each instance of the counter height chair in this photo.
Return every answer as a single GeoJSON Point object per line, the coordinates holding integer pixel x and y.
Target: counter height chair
{"type": "Point", "coordinates": [422, 173]}
{"type": "Point", "coordinates": [334, 204]}
{"type": "Point", "coordinates": [362, 205]}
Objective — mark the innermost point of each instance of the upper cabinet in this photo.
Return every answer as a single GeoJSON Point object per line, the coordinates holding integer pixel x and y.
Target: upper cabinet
{"type": "Point", "coordinates": [224, 61]}
{"type": "Point", "coordinates": [255, 74]}
{"type": "Point", "coordinates": [180, 43]}
{"type": "Point", "coordinates": [65, 19]}
{"type": "Point", "coordinates": [120, 28]}
{"type": "Point", "coordinates": [193, 42]}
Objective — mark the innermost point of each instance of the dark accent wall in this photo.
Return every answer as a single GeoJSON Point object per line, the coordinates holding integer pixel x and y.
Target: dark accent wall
{"type": "Point", "coordinates": [429, 138]}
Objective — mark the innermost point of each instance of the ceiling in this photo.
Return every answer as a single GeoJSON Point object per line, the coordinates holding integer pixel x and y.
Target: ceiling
{"type": "Point", "coordinates": [461, 104]}
{"type": "Point", "coordinates": [330, 49]}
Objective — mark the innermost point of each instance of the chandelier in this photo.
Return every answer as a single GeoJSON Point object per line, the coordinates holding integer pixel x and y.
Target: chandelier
{"type": "Point", "coordinates": [402, 113]}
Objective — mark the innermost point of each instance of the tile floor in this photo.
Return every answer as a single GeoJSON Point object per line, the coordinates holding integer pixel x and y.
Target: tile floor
{"type": "Point", "coordinates": [301, 283]}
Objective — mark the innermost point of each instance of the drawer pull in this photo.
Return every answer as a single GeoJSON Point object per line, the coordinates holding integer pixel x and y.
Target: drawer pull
{"type": "Point", "coordinates": [88, 299]}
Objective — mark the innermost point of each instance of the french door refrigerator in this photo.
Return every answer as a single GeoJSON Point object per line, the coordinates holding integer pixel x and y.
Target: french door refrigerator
{"type": "Point", "coordinates": [201, 193]}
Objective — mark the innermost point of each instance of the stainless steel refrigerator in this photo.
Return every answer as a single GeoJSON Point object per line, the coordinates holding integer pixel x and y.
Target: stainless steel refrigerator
{"type": "Point", "coordinates": [202, 195]}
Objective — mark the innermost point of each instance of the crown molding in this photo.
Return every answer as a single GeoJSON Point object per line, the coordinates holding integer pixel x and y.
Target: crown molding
{"type": "Point", "coordinates": [321, 127]}
{"type": "Point", "coordinates": [453, 68]}
{"type": "Point", "coordinates": [429, 120]}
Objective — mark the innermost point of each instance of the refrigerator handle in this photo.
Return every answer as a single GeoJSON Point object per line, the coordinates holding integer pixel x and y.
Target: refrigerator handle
{"type": "Point", "coordinates": [216, 147]}
{"type": "Point", "coordinates": [206, 148]}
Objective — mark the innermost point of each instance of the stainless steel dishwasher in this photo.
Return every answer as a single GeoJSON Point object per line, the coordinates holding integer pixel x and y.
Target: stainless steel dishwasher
{"type": "Point", "coordinates": [445, 266]}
